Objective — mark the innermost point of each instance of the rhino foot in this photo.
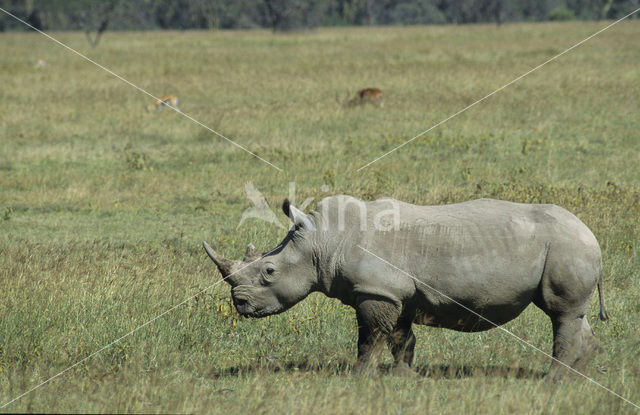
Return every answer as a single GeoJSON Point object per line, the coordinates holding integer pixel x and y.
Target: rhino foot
{"type": "Point", "coordinates": [404, 370]}
{"type": "Point", "coordinates": [365, 369]}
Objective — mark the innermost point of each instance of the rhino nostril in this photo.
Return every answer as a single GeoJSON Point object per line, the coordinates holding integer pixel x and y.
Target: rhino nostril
{"type": "Point", "coordinates": [240, 302]}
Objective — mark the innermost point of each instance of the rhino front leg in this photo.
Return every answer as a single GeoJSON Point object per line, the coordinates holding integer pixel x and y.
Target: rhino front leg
{"type": "Point", "coordinates": [377, 317]}
{"type": "Point", "coordinates": [402, 342]}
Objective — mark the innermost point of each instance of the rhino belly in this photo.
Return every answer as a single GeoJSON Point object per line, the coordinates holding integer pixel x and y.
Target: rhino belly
{"type": "Point", "coordinates": [474, 301]}
{"type": "Point", "coordinates": [476, 285]}
{"type": "Point", "coordinates": [455, 317]}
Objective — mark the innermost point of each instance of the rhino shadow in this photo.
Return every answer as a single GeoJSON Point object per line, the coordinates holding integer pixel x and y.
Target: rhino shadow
{"type": "Point", "coordinates": [271, 365]}
{"type": "Point", "coordinates": [344, 367]}
{"type": "Point", "coordinates": [462, 371]}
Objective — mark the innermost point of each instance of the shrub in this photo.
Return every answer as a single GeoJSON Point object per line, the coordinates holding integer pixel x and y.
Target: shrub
{"type": "Point", "coordinates": [562, 15]}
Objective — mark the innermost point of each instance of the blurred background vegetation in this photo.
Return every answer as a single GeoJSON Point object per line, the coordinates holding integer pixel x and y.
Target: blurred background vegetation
{"type": "Point", "coordinates": [294, 14]}
{"type": "Point", "coordinates": [103, 205]}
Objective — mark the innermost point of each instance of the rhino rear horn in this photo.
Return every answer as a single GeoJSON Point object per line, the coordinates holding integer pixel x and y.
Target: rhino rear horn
{"type": "Point", "coordinates": [224, 264]}
{"type": "Point", "coordinates": [297, 216]}
{"type": "Point", "coordinates": [251, 254]}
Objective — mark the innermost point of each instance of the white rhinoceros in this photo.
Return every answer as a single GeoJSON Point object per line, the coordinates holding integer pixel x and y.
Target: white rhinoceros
{"type": "Point", "coordinates": [445, 266]}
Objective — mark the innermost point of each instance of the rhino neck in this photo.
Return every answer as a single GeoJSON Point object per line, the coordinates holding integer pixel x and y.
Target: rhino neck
{"type": "Point", "coordinates": [329, 257]}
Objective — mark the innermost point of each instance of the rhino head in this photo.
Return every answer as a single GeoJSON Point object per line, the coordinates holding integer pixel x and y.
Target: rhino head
{"type": "Point", "coordinates": [270, 283]}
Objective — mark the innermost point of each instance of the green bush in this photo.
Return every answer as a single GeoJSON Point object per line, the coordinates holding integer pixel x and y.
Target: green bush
{"type": "Point", "coordinates": [562, 15]}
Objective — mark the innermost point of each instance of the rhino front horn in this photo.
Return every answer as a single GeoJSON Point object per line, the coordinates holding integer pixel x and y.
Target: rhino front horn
{"type": "Point", "coordinates": [224, 264]}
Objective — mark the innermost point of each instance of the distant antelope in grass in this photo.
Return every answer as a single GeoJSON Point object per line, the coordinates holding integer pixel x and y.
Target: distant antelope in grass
{"type": "Point", "coordinates": [41, 63]}
{"type": "Point", "coordinates": [368, 95]}
{"type": "Point", "coordinates": [170, 100]}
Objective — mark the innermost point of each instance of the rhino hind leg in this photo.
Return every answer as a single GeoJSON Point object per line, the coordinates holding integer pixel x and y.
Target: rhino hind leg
{"type": "Point", "coordinates": [573, 345]}
{"type": "Point", "coordinates": [564, 294]}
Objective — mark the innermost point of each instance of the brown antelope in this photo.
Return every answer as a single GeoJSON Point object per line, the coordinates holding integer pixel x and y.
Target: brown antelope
{"type": "Point", "coordinates": [368, 95]}
{"type": "Point", "coordinates": [41, 63]}
{"type": "Point", "coordinates": [170, 100]}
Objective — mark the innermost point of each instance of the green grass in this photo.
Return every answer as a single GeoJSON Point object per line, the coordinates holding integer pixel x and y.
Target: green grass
{"type": "Point", "coordinates": [103, 207]}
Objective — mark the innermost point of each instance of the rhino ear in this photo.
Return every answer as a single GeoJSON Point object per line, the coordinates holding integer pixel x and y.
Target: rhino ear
{"type": "Point", "coordinates": [285, 206]}
{"type": "Point", "coordinates": [297, 216]}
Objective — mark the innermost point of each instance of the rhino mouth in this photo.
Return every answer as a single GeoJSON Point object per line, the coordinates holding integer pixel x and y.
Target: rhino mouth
{"type": "Point", "coordinates": [242, 303]}
{"type": "Point", "coordinates": [246, 303]}
{"type": "Point", "coordinates": [243, 306]}
{"type": "Point", "coordinates": [247, 310]}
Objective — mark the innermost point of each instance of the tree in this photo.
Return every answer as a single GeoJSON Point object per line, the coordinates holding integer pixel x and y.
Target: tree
{"type": "Point", "coordinates": [415, 12]}
{"type": "Point", "coordinates": [295, 14]}
{"type": "Point", "coordinates": [96, 18]}
{"type": "Point", "coordinates": [281, 13]}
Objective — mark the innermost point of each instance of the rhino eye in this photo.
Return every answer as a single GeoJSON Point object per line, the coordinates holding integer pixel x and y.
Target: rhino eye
{"type": "Point", "coordinates": [268, 274]}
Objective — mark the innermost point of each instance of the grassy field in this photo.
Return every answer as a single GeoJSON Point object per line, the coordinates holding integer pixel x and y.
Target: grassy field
{"type": "Point", "coordinates": [103, 207]}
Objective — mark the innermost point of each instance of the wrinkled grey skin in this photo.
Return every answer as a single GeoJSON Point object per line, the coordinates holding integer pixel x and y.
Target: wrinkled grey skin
{"type": "Point", "coordinates": [491, 256]}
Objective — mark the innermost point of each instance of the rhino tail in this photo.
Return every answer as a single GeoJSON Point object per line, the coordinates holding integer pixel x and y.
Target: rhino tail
{"type": "Point", "coordinates": [603, 313]}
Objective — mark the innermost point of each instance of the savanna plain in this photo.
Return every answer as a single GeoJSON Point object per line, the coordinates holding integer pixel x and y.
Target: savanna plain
{"type": "Point", "coordinates": [103, 206]}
